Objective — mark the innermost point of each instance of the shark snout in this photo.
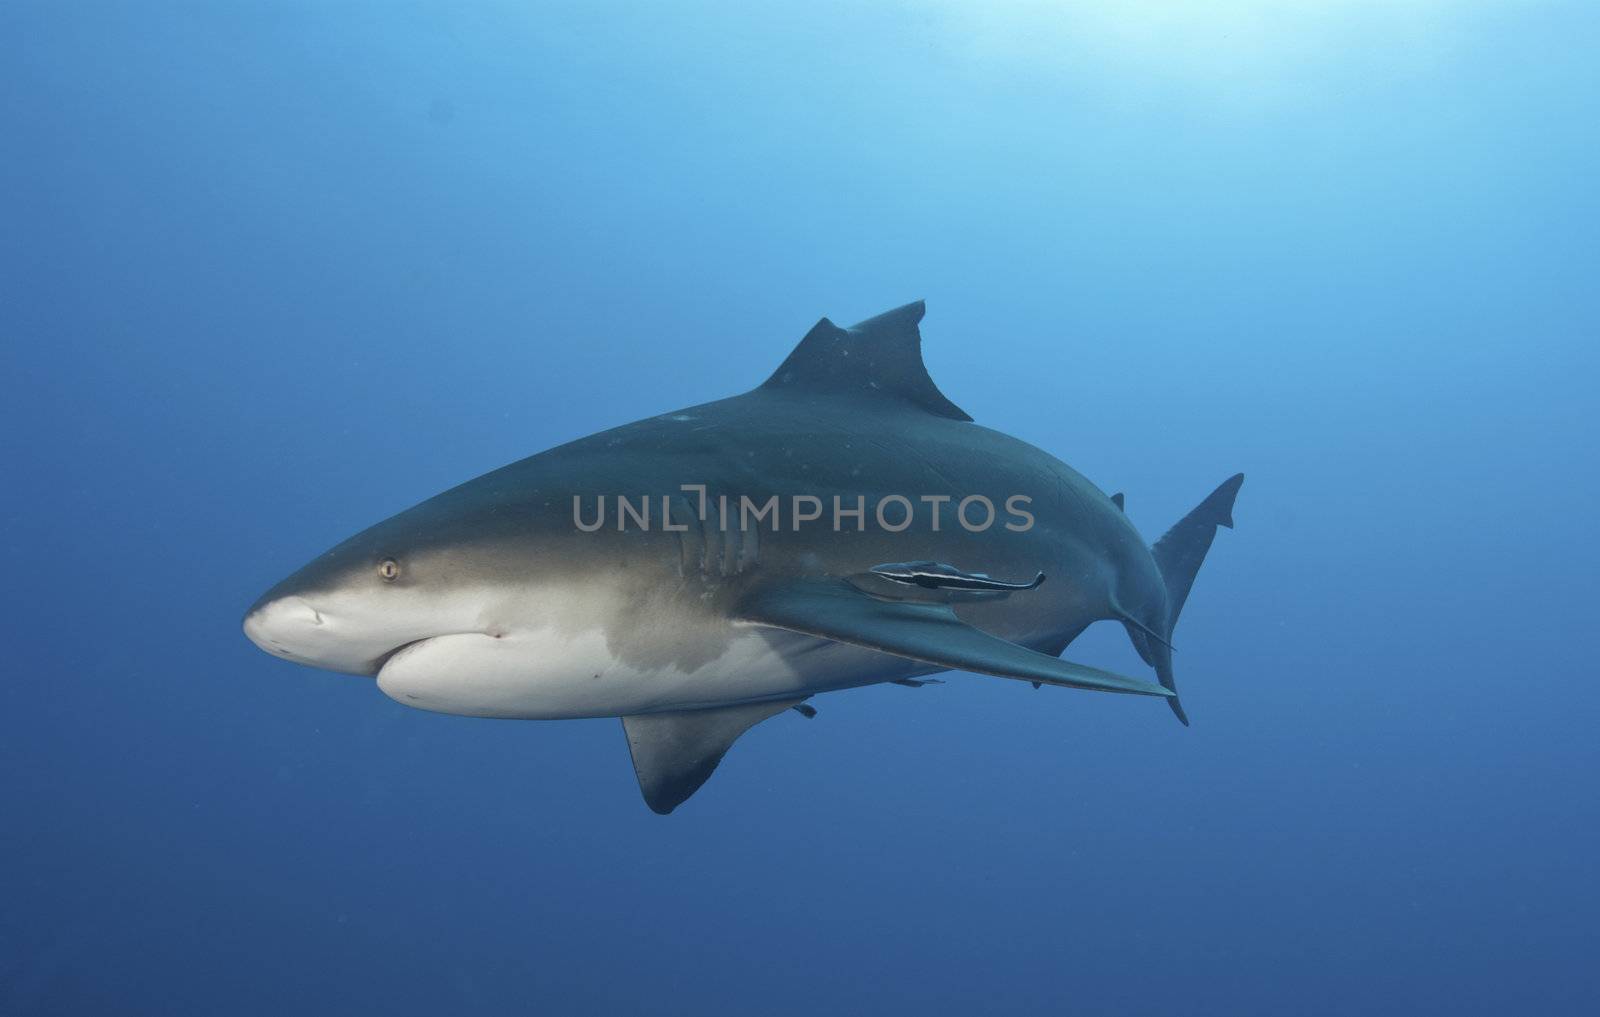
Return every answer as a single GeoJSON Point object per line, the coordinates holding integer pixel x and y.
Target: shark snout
{"type": "Point", "coordinates": [351, 632]}
{"type": "Point", "coordinates": [279, 625]}
{"type": "Point", "coordinates": [292, 627]}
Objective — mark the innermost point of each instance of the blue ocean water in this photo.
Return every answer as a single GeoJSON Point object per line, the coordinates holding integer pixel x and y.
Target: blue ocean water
{"type": "Point", "coordinates": [274, 272]}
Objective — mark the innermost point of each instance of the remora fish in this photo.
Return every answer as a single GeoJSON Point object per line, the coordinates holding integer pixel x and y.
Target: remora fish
{"type": "Point", "coordinates": [622, 575]}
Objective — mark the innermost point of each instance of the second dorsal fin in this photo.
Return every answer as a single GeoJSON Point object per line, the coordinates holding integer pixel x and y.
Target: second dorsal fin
{"type": "Point", "coordinates": [877, 358]}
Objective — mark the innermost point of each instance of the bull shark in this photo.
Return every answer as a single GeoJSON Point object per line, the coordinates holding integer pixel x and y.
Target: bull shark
{"type": "Point", "coordinates": [695, 573]}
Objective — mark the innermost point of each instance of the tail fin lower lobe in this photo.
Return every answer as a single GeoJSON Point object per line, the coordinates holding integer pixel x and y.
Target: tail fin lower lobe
{"type": "Point", "coordinates": [1178, 555]}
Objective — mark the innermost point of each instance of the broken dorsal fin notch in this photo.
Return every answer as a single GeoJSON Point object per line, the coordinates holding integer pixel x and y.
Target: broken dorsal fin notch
{"type": "Point", "coordinates": [875, 359]}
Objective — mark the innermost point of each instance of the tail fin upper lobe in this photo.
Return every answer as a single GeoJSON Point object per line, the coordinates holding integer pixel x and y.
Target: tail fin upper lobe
{"type": "Point", "coordinates": [1178, 555]}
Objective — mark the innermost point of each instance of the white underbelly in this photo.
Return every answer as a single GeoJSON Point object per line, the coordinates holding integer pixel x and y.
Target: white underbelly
{"type": "Point", "coordinates": [547, 675]}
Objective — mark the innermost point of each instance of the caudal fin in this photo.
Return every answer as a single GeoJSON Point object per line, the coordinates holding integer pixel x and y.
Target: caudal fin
{"type": "Point", "coordinates": [1178, 555]}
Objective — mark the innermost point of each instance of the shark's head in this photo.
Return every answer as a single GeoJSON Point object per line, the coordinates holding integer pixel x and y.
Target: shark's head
{"type": "Point", "coordinates": [353, 607]}
{"type": "Point", "coordinates": [441, 568]}
{"type": "Point", "coordinates": [491, 600]}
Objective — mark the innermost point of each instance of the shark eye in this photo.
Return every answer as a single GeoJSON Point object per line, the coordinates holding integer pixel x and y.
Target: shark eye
{"type": "Point", "coordinates": [389, 570]}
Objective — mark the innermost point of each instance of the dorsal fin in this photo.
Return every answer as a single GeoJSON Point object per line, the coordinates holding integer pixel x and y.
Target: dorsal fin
{"type": "Point", "coordinates": [879, 356]}
{"type": "Point", "coordinates": [1116, 499]}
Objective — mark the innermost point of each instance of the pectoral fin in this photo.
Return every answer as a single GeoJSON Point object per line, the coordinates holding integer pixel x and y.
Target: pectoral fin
{"type": "Point", "coordinates": [925, 632]}
{"type": "Point", "coordinates": [674, 753]}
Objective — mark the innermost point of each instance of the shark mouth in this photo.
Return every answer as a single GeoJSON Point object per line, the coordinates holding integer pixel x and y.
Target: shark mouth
{"type": "Point", "coordinates": [382, 660]}
{"type": "Point", "coordinates": [405, 649]}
